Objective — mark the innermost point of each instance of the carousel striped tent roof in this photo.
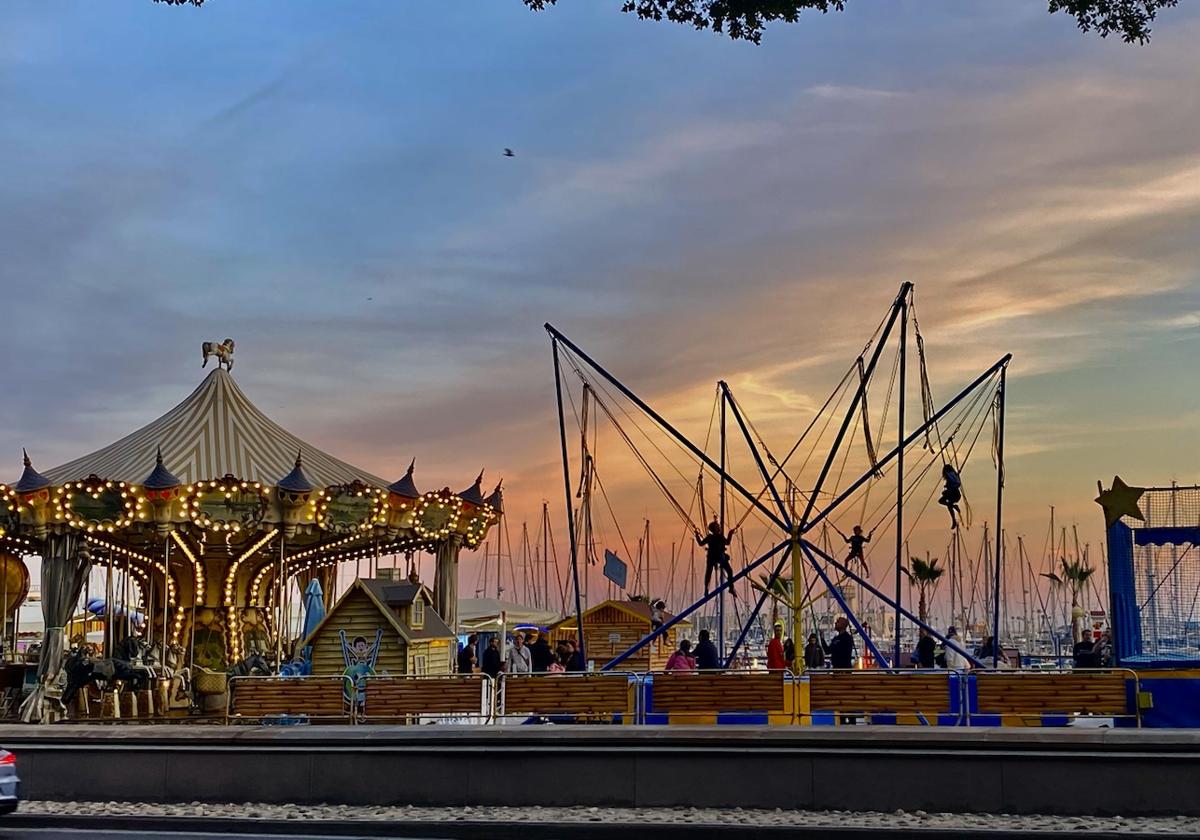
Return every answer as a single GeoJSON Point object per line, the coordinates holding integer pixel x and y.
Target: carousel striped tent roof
{"type": "Point", "coordinates": [215, 432]}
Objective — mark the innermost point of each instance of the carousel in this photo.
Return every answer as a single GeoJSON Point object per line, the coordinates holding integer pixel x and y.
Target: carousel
{"type": "Point", "coordinates": [220, 518]}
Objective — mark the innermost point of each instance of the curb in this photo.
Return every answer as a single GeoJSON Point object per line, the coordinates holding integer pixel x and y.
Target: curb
{"type": "Point", "coordinates": [483, 830]}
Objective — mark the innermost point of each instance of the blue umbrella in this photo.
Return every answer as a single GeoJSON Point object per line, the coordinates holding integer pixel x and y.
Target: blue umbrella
{"type": "Point", "coordinates": [98, 607]}
{"type": "Point", "coordinates": [314, 607]}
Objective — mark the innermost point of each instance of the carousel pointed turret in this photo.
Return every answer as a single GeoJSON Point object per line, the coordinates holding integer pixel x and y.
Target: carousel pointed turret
{"type": "Point", "coordinates": [213, 504]}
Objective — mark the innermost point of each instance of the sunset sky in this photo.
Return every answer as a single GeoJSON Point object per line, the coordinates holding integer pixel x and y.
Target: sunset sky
{"type": "Point", "coordinates": [324, 182]}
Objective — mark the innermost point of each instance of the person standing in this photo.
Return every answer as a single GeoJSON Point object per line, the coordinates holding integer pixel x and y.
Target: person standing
{"type": "Point", "coordinates": [540, 654]}
{"type": "Point", "coordinates": [955, 661]}
{"type": "Point", "coordinates": [491, 659]}
{"type": "Point", "coordinates": [1084, 652]}
{"type": "Point", "coordinates": [706, 653]}
{"type": "Point", "coordinates": [814, 653]}
{"type": "Point", "coordinates": [776, 661]}
{"type": "Point", "coordinates": [575, 661]}
{"type": "Point", "coordinates": [926, 655]}
{"type": "Point", "coordinates": [518, 660]}
{"type": "Point", "coordinates": [466, 656]}
{"type": "Point", "coordinates": [841, 649]}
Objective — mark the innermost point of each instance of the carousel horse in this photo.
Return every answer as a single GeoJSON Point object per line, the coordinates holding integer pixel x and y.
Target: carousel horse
{"type": "Point", "coordinates": [223, 352]}
{"type": "Point", "coordinates": [82, 670]}
{"type": "Point", "coordinates": [175, 687]}
{"type": "Point", "coordinates": [254, 665]}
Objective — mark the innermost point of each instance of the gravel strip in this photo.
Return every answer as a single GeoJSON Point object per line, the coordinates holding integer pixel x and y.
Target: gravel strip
{"type": "Point", "coordinates": [675, 816]}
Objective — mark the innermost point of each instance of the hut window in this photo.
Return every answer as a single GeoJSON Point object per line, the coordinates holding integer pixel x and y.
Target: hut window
{"type": "Point", "coordinates": [419, 665]}
{"type": "Point", "coordinates": [418, 613]}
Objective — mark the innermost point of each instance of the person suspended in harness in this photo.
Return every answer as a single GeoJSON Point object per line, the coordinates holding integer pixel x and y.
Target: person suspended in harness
{"type": "Point", "coordinates": [856, 541]}
{"type": "Point", "coordinates": [715, 544]}
{"type": "Point", "coordinates": [951, 493]}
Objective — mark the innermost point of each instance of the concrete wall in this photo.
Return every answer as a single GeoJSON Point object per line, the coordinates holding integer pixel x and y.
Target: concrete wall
{"type": "Point", "coordinates": [1125, 772]}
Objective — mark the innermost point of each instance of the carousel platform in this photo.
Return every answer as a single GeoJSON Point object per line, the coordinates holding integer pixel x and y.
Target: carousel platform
{"type": "Point", "coordinates": [1003, 770]}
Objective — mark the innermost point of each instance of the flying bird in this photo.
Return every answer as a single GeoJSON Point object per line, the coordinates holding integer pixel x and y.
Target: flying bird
{"type": "Point", "coordinates": [508, 153]}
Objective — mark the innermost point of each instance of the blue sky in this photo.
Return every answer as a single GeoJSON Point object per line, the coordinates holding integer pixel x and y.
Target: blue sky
{"type": "Point", "coordinates": [323, 182]}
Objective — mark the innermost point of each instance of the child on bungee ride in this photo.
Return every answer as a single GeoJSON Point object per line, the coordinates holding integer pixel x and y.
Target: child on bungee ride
{"type": "Point", "coordinates": [857, 541]}
{"type": "Point", "coordinates": [951, 493]}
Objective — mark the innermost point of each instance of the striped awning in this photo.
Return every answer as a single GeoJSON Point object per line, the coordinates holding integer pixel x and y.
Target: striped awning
{"type": "Point", "coordinates": [215, 432]}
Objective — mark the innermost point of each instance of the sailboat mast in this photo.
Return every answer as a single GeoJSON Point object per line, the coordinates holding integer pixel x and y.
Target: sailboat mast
{"type": "Point", "coordinates": [646, 585]}
{"type": "Point", "coordinates": [987, 573]}
{"type": "Point", "coordinates": [546, 554]}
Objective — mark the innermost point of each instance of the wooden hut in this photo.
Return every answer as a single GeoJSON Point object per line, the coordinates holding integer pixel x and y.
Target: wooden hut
{"type": "Point", "coordinates": [612, 627]}
{"type": "Point", "coordinates": [382, 627]}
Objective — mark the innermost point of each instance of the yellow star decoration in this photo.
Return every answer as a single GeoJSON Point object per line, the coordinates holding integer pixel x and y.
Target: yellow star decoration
{"type": "Point", "coordinates": [1119, 500]}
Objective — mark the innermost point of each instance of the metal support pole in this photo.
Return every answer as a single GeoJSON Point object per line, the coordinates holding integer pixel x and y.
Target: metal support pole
{"type": "Point", "coordinates": [900, 474]}
{"type": "Point", "coordinates": [566, 462]}
{"type": "Point", "coordinates": [999, 517]}
{"type": "Point", "coordinates": [841, 567]}
{"type": "Point", "coordinates": [279, 604]}
{"type": "Point", "coordinates": [858, 396]}
{"type": "Point", "coordinates": [727, 397]}
{"type": "Point", "coordinates": [751, 498]}
{"type": "Point", "coordinates": [744, 573]}
{"type": "Point", "coordinates": [913, 436]}
{"type": "Point", "coordinates": [837, 596]}
{"type": "Point", "coordinates": [808, 524]}
{"type": "Point", "coordinates": [721, 598]}
{"type": "Point", "coordinates": [108, 606]}
{"type": "Point", "coordinates": [797, 605]}
{"type": "Point", "coordinates": [166, 631]}
{"type": "Point", "coordinates": [837, 443]}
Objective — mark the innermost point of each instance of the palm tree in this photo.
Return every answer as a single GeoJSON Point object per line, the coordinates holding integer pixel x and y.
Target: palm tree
{"type": "Point", "coordinates": [924, 574]}
{"type": "Point", "coordinates": [1073, 574]}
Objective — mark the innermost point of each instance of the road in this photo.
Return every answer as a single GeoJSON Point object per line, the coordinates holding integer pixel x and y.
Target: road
{"type": "Point", "coordinates": [513, 831]}
{"type": "Point", "coordinates": [79, 834]}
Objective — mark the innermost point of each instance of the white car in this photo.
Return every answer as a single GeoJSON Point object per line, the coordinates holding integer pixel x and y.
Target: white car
{"type": "Point", "coordinates": [10, 785]}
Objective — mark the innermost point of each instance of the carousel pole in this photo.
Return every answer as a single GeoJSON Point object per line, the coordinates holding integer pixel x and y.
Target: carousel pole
{"type": "Point", "coordinates": [108, 607]}
{"type": "Point", "coordinates": [166, 600]}
{"type": "Point", "coordinates": [4, 628]}
{"type": "Point", "coordinates": [279, 604]}
{"type": "Point", "coordinates": [150, 609]}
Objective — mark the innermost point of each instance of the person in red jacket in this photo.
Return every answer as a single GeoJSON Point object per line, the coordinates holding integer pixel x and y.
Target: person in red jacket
{"type": "Point", "coordinates": [775, 658]}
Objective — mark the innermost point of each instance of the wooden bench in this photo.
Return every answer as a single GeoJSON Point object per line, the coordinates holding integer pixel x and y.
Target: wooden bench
{"type": "Point", "coordinates": [880, 692]}
{"type": "Point", "coordinates": [580, 695]}
{"type": "Point", "coordinates": [718, 691]}
{"type": "Point", "coordinates": [1033, 693]}
{"type": "Point", "coordinates": [255, 698]}
{"type": "Point", "coordinates": [406, 697]}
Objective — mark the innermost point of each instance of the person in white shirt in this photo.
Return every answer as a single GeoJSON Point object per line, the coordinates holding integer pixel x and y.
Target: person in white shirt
{"type": "Point", "coordinates": [954, 659]}
{"type": "Point", "coordinates": [518, 660]}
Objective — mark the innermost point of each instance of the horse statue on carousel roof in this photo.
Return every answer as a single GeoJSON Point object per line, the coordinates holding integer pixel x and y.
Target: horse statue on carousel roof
{"type": "Point", "coordinates": [223, 352]}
